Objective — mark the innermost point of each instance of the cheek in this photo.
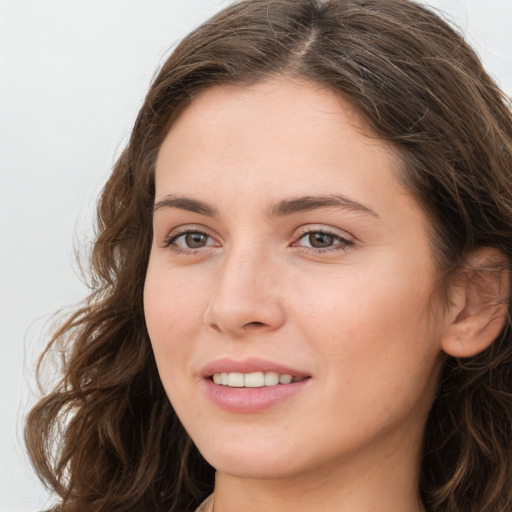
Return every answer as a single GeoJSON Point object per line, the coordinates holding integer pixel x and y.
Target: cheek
{"type": "Point", "coordinates": [364, 300]}
{"type": "Point", "coordinates": [173, 309]}
{"type": "Point", "coordinates": [374, 333]}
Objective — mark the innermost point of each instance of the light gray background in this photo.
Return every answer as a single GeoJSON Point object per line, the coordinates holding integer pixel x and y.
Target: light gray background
{"type": "Point", "coordinates": [72, 77]}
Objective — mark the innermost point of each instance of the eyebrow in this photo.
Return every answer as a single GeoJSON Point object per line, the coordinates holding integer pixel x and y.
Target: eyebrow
{"type": "Point", "coordinates": [186, 203]}
{"type": "Point", "coordinates": [281, 208]}
{"type": "Point", "coordinates": [307, 203]}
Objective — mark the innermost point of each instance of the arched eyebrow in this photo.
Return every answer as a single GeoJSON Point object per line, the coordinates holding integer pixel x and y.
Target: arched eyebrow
{"type": "Point", "coordinates": [186, 203]}
{"type": "Point", "coordinates": [308, 203]}
{"type": "Point", "coordinates": [281, 208]}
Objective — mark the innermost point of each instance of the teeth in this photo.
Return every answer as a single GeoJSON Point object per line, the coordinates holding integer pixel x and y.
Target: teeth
{"type": "Point", "coordinates": [285, 379]}
{"type": "Point", "coordinates": [252, 380]}
{"type": "Point", "coordinates": [271, 378]}
{"type": "Point", "coordinates": [236, 380]}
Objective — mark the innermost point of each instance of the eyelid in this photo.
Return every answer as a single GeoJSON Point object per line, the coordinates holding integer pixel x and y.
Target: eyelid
{"type": "Point", "coordinates": [321, 228]}
{"type": "Point", "coordinates": [186, 229]}
{"type": "Point", "coordinates": [346, 240]}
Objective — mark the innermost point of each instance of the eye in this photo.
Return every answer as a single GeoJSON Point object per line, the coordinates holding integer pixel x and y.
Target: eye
{"type": "Point", "coordinates": [323, 240]}
{"type": "Point", "coordinates": [189, 241]}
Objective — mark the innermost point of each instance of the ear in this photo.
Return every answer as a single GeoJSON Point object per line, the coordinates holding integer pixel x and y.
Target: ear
{"type": "Point", "coordinates": [478, 306]}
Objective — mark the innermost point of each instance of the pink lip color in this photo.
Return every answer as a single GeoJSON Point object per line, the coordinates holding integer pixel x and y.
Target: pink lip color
{"type": "Point", "coordinates": [249, 400]}
{"type": "Point", "coordinates": [250, 365]}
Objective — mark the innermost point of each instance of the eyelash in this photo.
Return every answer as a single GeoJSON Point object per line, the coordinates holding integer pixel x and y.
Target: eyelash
{"type": "Point", "coordinates": [338, 240]}
{"type": "Point", "coordinates": [171, 239]}
{"type": "Point", "coordinates": [340, 243]}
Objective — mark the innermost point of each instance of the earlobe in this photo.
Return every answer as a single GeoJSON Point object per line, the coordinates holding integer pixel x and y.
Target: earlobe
{"type": "Point", "coordinates": [478, 304]}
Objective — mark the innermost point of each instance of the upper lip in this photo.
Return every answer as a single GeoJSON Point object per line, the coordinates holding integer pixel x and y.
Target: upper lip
{"type": "Point", "coordinates": [250, 365]}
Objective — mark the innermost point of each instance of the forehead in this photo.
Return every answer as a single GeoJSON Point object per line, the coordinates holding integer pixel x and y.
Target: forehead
{"type": "Point", "coordinates": [280, 128]}
{"type": "Point", "coordinates": [295, 96]}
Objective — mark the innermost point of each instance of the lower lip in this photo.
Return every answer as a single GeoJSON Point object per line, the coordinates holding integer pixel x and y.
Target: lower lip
{"type": "Point", "coordinates": [250, 400]}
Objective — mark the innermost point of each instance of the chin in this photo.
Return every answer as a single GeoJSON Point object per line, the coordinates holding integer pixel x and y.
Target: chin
{"type": "Point", "coordinates": [254, 457]}
{"type": "Point", "coordinates": [258, 466]}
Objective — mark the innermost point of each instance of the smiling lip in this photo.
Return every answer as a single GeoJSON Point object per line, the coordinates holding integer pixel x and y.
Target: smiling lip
{"type": "Point", "coordinates": [250, 365]}
{"type": "Point", "coordinates": [250, 400]}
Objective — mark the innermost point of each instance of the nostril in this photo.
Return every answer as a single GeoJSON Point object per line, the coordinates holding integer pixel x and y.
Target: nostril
{"type": "Point", "coordinates": [254, 324]}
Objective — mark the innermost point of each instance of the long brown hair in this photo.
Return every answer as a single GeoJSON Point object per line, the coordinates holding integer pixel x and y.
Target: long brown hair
{"type": "Point", "coordinates": [106, 437]}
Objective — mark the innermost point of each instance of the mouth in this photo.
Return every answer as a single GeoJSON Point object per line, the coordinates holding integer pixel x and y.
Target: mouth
{"type": "Point", "coordinates": [255, 379]}
{"type": "Point", "coordinates": [252, 385]}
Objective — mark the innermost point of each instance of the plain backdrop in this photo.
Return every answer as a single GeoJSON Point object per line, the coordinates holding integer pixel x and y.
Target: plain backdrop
{"type": "Point", "coordinates": [73, 74]}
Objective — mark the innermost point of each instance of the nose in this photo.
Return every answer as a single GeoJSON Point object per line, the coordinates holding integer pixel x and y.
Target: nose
{"type": "Point", "coordinates": [247, 295]}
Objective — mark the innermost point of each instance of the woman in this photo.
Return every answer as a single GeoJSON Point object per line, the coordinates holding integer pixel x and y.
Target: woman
{"type": "Point", "coordinates": [302, 295]}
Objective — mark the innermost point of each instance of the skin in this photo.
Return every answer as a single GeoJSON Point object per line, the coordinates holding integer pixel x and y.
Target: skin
{"type": "Point", "coordinates": [357, 317]}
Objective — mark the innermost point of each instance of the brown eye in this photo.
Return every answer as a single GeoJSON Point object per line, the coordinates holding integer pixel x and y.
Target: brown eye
{"type": "Point", "coordinates": [190, 240]}
{"type": "Point", "coordinates": [323, 241]}
{"type": "Point", "coordinates": [320, 240]}
{"type": "Point", "coordinates": [195, 240]}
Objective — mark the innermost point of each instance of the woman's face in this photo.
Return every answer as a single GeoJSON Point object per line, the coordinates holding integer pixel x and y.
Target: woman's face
{"type": "Point", "coordinates": [284, 245]}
